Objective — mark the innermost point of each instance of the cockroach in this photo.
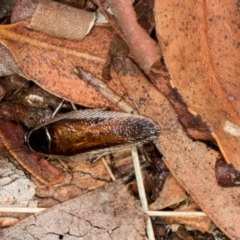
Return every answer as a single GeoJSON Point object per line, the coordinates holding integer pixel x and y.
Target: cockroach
{"type": "Point", "coordinates": [90, 133]}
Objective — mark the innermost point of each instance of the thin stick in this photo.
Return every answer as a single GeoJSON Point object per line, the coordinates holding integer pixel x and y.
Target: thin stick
{"type": "Point", "coordinates": [73, 106]}
{"type": "Point", "coordinates": [58, 108]}
{"type": "Point", "coordinates": [108, 168]}
{"type": "Point", "coordinates": [103, 88]}
{"type": "Point", "coordinates": [175, 214]}
{"type": "Point", "coordinates": [141, 191]}
{"type": "Point", "coordinates": [21, 209]}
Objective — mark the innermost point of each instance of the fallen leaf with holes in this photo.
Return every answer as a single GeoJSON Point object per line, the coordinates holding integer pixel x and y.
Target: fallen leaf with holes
{"type": "Point", "coordinates": [109, 213]}
{"type": "Point", "coordinates": [50, 61]}
{"type": "Point", "coordinates": [200, 43]}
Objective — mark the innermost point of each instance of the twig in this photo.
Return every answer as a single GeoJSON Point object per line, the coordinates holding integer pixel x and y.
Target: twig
{"type": "Point", "coordinates": [141, 191]}
{"type": "Point", "coordinates": [175, 214]}
{"type": "Point", "coordinates": [102, 88]}
{"type": "Point", "coordinates": [108, 168]}
{"type": "Point", "coordinates": [21, 209]}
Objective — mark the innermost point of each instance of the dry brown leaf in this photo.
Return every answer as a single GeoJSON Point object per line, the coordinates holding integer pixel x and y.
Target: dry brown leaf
{"type": "Point", "coordinates": [200, 43]}
{"type": "Point", "coordinates": [50, 61]}
{"type": "Point", "coordinates": [109, 213]}
{"type": "Point", "coordinates": [191, 163]}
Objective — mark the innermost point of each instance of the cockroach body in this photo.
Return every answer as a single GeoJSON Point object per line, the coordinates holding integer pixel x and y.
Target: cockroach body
{"type": "Point", "coordinates": [90, 131]}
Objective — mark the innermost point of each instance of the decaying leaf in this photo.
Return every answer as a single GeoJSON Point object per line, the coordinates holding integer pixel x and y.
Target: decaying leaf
{"type": "Point", "coordinates": [109, 213]}
{"type": "Point", "coordinates": [200, 44]}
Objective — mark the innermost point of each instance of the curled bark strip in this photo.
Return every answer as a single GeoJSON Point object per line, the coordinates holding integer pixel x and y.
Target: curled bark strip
{"type": "Point", "coordinates": [136, 37]}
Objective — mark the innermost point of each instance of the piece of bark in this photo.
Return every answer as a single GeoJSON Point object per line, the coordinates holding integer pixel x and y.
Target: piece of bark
{"type": "Point", "coordinates": [62, 21]}
{"type": "Point", "coordinates": [109, 213]}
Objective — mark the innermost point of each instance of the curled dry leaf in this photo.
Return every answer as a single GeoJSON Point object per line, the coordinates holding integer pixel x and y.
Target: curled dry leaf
{"type": "Point", "coordinates": [200, 43]}
{"type": "Point", "coordinates": [135, 35]}
{"type": "Point", "coordinates": [62, 21]}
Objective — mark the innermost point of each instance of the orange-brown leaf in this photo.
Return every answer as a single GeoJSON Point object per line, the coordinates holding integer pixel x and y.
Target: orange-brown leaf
{"type": "Point", "coordinates": [200, 45]}
{"type": "Point", "coordinates": [50, 61]}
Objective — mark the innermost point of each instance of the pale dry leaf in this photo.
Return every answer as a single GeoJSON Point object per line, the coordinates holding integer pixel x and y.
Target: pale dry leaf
{"type": "Point", "coordinates": [109, 213]}
{"type": "Point", "coordinates": [16, 189]}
